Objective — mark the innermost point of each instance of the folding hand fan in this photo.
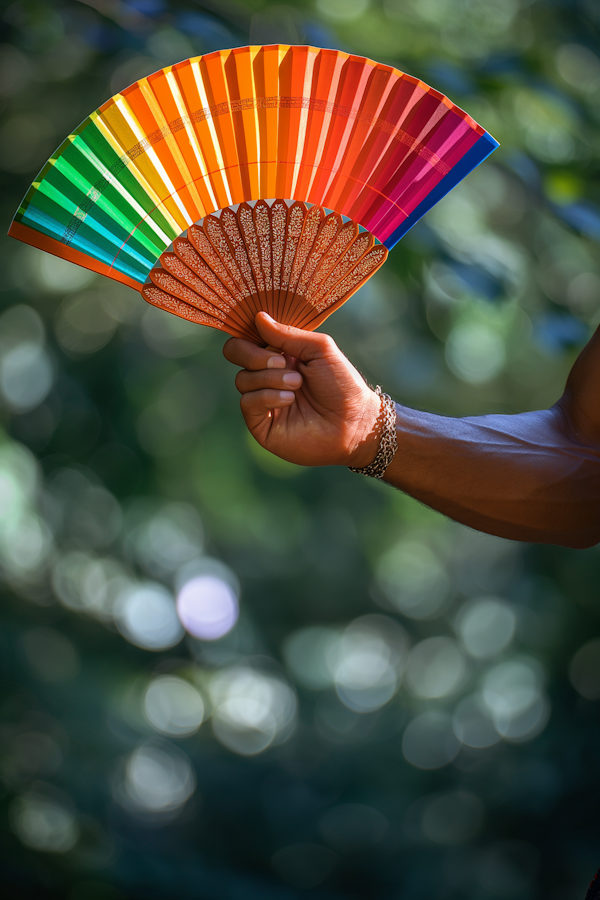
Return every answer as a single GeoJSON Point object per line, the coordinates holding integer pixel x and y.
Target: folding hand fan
{"type": "Point", "coordinates": [272, 178]}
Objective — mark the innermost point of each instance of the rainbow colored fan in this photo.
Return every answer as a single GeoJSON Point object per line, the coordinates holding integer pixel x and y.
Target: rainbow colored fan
{"type": "Point", "coordinates": [271, 178]}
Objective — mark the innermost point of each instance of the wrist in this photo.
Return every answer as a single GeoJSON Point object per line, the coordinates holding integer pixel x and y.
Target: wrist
{"type": "Point", "coordinates": [386, 431]}
{"type": "Point", "coordinates": [367, 437]}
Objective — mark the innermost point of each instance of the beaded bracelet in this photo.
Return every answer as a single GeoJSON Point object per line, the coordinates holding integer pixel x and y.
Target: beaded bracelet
{"type": "Point", "coordinates": [388, 443]}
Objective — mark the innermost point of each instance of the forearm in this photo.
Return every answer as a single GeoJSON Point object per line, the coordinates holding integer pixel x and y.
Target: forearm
{"type": "Point", "coordinates": [520, 477]}
{"type": "Point", "coordinates": [528, 477]}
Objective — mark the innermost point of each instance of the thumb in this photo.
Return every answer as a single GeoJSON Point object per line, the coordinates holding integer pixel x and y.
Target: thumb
{"type": "Point", "coordinates": [303, 345]}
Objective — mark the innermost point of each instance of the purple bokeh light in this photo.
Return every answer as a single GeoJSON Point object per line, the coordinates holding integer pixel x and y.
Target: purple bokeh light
{"type": "Point", "coordinates": [207, 607]}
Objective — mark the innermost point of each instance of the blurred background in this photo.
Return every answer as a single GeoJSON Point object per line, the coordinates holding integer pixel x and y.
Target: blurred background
{"type": "Point", "coordinates": [226, 677]}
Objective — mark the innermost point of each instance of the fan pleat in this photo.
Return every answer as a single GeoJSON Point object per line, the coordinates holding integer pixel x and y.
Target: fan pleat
{"type": "Point", "coordinates": [218, 110]}
{"type": "Point", "coordinates": [353, 156]}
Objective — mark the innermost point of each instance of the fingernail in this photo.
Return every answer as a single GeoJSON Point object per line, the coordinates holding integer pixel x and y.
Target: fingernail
{"type": "Point", "coordinates": [276, 362]}
{"type": "Point", "coordinates": [292, 379]}
{"type": "Point", "coordinates": [286, 395]}
{"type": "Point", "coordinates": [267, 316]}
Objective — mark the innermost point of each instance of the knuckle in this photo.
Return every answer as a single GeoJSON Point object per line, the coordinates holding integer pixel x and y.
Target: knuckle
{"type": "Point", "coordinates": [328, 344]}
{"type": "Point", "coordinates": [246, 401]}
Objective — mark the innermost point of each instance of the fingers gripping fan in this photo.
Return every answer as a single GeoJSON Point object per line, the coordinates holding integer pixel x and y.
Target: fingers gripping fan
{"type": "Point", "coordinates": [269, 178]}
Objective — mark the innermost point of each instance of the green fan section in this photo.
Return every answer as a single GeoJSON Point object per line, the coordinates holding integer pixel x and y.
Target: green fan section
{"type": "Point", "coordinates": [87, 198]}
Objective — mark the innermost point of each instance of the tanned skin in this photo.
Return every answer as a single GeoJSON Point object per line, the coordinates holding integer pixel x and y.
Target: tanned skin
{"type": "Point", "coordinates": [530, 477]}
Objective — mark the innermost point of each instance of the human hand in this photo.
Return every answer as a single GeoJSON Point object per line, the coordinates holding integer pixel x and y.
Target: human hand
{"type": "Point", "coordinates": [303, 400]}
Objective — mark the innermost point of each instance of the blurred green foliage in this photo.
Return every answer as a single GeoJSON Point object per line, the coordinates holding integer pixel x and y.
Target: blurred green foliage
{"type": "Point", "coordinates": [405, 708]}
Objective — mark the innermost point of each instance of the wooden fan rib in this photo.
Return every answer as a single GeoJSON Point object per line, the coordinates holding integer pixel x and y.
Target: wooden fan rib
{"type": "Point", "coordinates": [201, 243]}
{"type": "Point", "coordinates": [203, 298]}
{"type": "Point", "coordinates": [236, 243]}
{"type": "Point", "coordinates": [185, 268]}
{"type": "Point", "coordinates": [184, 252]}
{"type": "Point", "coordinates": [213, 229]}
{"type": "Point", "coordinates": [157, 297]}
{"type": "Point", "coordinates": [328, 231]}
{"type": "Point", "coordinates": [365, 268]}
{"type": "Point", "coordinates": [219, 238]}
{"type": "Point", "coordinates": [312, 223]}
{"type": "Point", "coordinates": [338, 247]}
{"type": "Point", "coordinates": [264, 233]}
{"type": "Point", "coordinates": [279, 218]}
{"type": "Point", "coordinates": [191, 258]}
{"type": "Point", "coordinates": [295, 225]}
{"type": "Point", "coordinates": [355, 251]}
{"type": "Point", "coordinates": [310, 230]}
{"type": "Point", "coordinates": [245, 221]}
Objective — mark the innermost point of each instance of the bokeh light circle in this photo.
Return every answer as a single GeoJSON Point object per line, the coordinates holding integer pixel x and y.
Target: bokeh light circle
{"type": "Point", "coordinates": [146, 616]}
{"type": "Point", "coordinates": [429, 741]}
{"type": "Point", "coordinates": [173, 706]}
{"type": "Point", "coordinates": [473, 723]}
{"type": "Point", "coordinates": [368, 661]}
{"type": "Point", "coordinates": [436, 668]}
{"type": "Point", "coordinates": [485, 626]}
{"type": "Point", "coordinates": [251, 709]}
{"type": "Point", "coordinates": [43, 823]}
{"type": "Point", "coordinates": [584, 671]}
{"type": "Point", "coordinates": [158, 778]}
{"type": "Point", "coordinates": [207, 607]}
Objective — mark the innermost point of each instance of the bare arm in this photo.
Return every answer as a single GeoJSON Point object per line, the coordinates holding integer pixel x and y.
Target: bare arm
{"type": "Point", "coordinates": [530, 477]}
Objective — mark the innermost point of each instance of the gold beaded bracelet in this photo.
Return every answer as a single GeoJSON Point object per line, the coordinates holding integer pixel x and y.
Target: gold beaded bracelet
{"type": "Point", "coordinates": [388, 443]}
